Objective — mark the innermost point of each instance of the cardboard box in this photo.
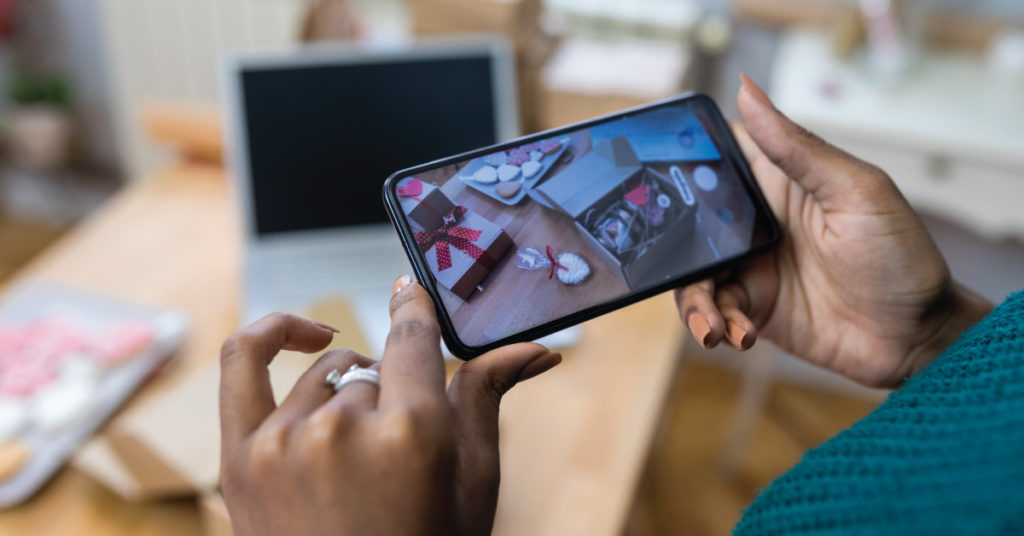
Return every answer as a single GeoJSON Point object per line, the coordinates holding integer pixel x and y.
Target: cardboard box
{"type": "Point", "coordinates": [470, 247]}
{"type": "Point", "coordinates": [423, 203]}
{"type": "Point", "coordinates": [609, 173]}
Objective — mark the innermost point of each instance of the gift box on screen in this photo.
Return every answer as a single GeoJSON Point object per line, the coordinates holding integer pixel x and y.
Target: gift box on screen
{"type": "Point", "coordinates": [423, 203]}
{"type": "Point", "coordinates": [609, 185]}
{"type": "Point", "coordinates": [463, 250]}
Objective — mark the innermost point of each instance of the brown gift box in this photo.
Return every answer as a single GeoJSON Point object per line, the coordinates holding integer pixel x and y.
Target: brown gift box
{"type": "Point", "coordinates": [425, 206]}
{"type": "Point", "coordinates": [466, 273]}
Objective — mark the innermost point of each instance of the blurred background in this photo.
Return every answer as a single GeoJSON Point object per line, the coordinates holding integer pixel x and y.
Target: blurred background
{"type": "Point", "coordinates": [102, 96]}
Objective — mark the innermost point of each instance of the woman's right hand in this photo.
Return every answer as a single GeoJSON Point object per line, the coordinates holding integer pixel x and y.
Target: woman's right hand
{"type": "Point", "coordinates": [857, 285]}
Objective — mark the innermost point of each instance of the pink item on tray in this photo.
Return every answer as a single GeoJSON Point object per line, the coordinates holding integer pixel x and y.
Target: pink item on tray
{"type": "Point", "coordinates": [550, 146]}
{"type": "Point", "coordinates": [22, 377]}
{"type": "Point", "coordinates": [517, 157]}
{"type": "Point", "coordinates": [31, 354]}
{"type": "Point", "coordinates": [532, 146]}
{"type": "Point", "coordinates": [122, 341]}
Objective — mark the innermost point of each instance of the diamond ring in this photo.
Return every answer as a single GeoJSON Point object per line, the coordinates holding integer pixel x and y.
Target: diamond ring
{"type": "Point", "coordinates": [336, 380]}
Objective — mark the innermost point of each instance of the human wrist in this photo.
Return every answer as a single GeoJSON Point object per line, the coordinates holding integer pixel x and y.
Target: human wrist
{"type": "Point", "coordinates": [960, 309]}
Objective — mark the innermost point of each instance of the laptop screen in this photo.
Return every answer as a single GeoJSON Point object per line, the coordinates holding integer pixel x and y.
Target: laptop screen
{"type": "Point", "coordinates": [322, 139]}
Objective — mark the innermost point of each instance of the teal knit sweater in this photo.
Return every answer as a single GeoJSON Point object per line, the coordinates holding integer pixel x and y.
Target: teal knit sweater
{"type": "Point", "coordinates": [942, 455]}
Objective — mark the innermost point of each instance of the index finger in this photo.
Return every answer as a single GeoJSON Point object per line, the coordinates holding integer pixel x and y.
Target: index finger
{"type": "Point", "coordinates": [412, 368]}
{"type": "Point", "coordinates": [246, 398]}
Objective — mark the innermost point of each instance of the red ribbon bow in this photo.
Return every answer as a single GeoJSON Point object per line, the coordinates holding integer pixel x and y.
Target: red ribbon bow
{"type": "Point", "coordinates": [554, 263]}
{"type": "Point", "coordinates": [450, 234]}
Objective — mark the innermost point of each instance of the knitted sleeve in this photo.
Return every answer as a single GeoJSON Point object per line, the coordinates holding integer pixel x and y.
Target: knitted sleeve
{"type": "Point", "coordinates": [942, 455]}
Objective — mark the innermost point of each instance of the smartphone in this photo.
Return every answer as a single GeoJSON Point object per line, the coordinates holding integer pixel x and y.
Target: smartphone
{"type": "Point", "coordinates": [522, 239]}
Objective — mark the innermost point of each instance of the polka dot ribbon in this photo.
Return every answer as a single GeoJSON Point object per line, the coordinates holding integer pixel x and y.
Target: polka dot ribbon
{"type": "Point", "coordinates": [450, 234]}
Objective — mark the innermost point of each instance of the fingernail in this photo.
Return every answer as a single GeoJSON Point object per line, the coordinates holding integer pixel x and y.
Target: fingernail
{"type": "Point", "coordinates": [755, 91]}
{"type": "Point", "coordinates": [401, 283]}
{"type": "Point", "coordinates": [325, 326]}
{"type": "Point", "coordinates": [540, 365]}
{"type": "Point", "coordinates": [738, 336]}
{"type": "Point", "coordinates": [699, 327]}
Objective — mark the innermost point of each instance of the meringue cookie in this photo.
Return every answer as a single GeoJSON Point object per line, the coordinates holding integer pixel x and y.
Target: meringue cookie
{"type": "Point", "coordinates": [507, 173]}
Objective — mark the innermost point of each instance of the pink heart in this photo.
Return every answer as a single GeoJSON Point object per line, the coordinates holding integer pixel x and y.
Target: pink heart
{"type": "Point", "coordinates": [412, 188]}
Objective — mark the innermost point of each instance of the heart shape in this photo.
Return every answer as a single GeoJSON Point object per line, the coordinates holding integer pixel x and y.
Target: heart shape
{"type": "Point", "coordinates": [638, 195]}
{"type": "Point", "coordinates": [411, 188]}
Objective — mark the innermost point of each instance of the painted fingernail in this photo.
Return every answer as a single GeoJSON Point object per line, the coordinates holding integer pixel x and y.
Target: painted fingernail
{"type": "Point", "coordinates": [699, 327]}
{"type": "Point", "coordinates": [738, 336]}
{"type": "Point", "coordinates": [325, 326]}
{"type": "Point", "coordinates": [401, 283]}
{"type": "Point", "coordinates": [755, 91]}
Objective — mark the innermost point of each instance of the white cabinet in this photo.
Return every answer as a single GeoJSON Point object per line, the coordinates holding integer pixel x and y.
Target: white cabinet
{"type": "Point", "coordinates": [950, 136]}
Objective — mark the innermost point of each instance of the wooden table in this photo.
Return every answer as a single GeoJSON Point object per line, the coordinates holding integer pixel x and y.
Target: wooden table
{"type": "Point", "coordinates": [573, 441]}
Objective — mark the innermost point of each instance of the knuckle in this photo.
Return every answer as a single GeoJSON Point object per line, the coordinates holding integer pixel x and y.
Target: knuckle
{"type": "Point", "coordinates": [237, 344]}
{"type": "Point", "coordinates": [414, 328]}
{"type": "Point", "coordinates": [401, 299]}
{"type": "Point", "coordinates": [788, 158]}
{"type": "Point", "coordinates": [499, 385]}
{"type": "Point", "coordinates": [344, 417]}
{"type": "Point", "coordinates": [278, 317]}
{"type": "Point", "coordinates": [268, 445]}
{"type": "Point", "coordinates": [495, 385]}
{"type": "Point", "coordinates": [319, 434]}
{"type": "Point", "coordinates": [322, 426]}
{"type": "Point", "coordinates": [412, 426]}
{"type": "Point", "coordinates": [396, 429]}
{"type": "Point", "coordinates": [254, 337]}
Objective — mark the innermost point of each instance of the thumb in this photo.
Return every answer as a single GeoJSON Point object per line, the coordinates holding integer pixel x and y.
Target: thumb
{"type": "Point", "coordinates": [476, 389]}
{"type": "Point", "coordinates": [829, 174]}
{"type": "Point", "coordinates": [475, 393]}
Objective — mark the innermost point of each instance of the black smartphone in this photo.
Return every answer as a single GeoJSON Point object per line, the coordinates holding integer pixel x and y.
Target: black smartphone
{"type": "Point", "coordinates": [525, 238]}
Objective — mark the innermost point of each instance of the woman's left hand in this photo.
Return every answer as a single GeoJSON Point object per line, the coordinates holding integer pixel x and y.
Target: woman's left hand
{"type": "Point", "coordinates": [405, 458]}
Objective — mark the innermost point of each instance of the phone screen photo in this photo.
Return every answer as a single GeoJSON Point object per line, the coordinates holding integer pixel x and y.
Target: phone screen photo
{"type": "Point", "coordinates": [525, 238]}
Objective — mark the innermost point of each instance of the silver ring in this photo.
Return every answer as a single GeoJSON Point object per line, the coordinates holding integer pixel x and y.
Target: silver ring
{"type": "Point", "coordinates": [336, 380]}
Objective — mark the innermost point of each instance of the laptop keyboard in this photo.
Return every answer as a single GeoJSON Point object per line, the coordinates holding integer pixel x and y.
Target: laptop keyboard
{"type": "Point", "coordinates": [317, 273]}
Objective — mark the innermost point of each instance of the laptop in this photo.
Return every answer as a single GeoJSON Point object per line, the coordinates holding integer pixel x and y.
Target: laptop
{"type": "Point", "coordinates": [313, 134]}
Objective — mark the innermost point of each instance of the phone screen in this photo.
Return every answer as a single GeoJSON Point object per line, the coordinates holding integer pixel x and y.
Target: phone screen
{"type": "Point", "coordinates": [525, 238]}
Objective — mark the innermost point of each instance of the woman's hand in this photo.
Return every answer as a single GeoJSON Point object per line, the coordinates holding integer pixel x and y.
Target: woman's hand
{"type": "Point", "coordinates": [404, 458]}
{"type": "Point", "coordinates": [857, 284]}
